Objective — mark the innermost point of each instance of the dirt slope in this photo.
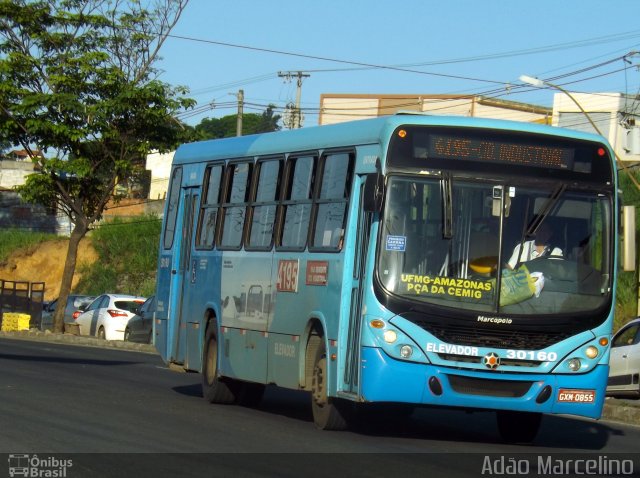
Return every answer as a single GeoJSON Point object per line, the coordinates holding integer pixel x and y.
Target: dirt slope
{"type": "Point", "coordinates": [45, 263]}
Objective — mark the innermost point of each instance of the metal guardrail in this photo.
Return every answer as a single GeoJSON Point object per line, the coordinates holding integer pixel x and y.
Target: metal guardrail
{"type": "Point", "coordinates": [22, 296]}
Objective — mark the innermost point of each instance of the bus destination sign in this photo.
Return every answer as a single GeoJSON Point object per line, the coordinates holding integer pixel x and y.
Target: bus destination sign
{"type": "Point", "coordinates": [475, 149]}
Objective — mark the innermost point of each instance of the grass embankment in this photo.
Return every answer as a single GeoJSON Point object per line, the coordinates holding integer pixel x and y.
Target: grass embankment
{"type": "Point", "coordinates": [12, 240]}
{"type": "Point", "coordinates": [127, 258]}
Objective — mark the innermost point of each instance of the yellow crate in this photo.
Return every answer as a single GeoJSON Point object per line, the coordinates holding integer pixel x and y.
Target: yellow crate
{"type": "Point", "coordinates": [12, 321]}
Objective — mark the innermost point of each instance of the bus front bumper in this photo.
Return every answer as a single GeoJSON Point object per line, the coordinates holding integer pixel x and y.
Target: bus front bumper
{"type": "Point", "coordinates": [385, 379]}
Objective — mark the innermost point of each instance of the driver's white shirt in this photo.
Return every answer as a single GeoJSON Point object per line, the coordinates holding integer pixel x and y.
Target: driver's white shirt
{"type": "Point", "coordinates": [529, 252]}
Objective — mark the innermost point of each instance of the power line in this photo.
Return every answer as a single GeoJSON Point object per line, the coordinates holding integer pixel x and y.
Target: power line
{"type": "Point", "coordinates": [498, 92]}
{"type": "Point", "coordinates": [333, 60]}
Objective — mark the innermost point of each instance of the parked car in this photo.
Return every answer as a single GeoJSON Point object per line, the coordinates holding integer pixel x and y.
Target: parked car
{"type": "Point", "coordinates": [74, 303]}
{"type": "Point", "coordinates": [140, 326]}
{"type": "Point", "coordinates": [107, 316]}
{"type": "Point", "coordinates": [624, 362]}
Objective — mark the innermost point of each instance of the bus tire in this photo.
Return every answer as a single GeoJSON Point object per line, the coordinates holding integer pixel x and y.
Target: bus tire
{"type": "Point", "coordinates": [518, 427]}
{"type": "Point", "coordinates": [214, 389]}
{"type": "Point", "coordinates": [328, 413]}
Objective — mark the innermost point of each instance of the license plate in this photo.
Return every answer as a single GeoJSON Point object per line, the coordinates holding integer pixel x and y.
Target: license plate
{"type": "Point", "coordinates": [576, 396]}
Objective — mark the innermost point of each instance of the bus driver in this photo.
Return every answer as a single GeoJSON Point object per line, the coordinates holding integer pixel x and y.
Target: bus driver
{"type": "Point", "coordinates": [538, 247]}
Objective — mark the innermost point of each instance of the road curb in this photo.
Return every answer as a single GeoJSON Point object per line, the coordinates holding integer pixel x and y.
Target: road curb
{"type": "Point", "coordinates": [624, 411]}
{"type": "Point", "coordinates": [49, 337]}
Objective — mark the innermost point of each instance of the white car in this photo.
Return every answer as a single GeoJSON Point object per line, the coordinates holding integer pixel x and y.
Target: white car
{"type": "Point", "coordinates": [624, 364]}
{"type": "Point", "coordinates": [107, 316]}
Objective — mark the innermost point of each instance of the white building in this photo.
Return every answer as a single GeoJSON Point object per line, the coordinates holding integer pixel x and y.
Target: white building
{"type": "Point", "coordinates": [338, 108]}
{"type": "Point", "coordinates": [615, 116]}
{"type": "Point", "coordinates": [14, 173]}
{"type": "Point", "coordinates": [160, 166]}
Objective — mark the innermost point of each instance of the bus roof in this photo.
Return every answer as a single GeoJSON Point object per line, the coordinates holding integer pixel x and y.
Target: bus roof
{"type": "Point", "coordinates": [352, 133]}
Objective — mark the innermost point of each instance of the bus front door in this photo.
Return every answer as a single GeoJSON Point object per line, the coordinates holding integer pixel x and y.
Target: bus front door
{"type": "Point", "coordinates": [184, 282]}
{"type": "Point", "coordinates": [361, 248]}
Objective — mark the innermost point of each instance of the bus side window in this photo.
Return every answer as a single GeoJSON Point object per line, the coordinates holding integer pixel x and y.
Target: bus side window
{"type": "Point", "coordinates": [297, 204]}
{"type": "Point", "coordinates": [265, 205]}
{"type": "Point", "coordinates": [209, 208]}
{"type": "Point", "coordinates": [332, 200]}
{"type": "Point", "coordinates": [173, 202]}
{"type": "Point", "coordinates": [235, 206]}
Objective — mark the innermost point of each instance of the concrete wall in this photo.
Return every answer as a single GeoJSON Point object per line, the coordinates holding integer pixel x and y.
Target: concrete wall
{"type": "Point", "coordinates": [14, 173]}
{"type": "Point", "coordinates": [14, 213]}
{"type": "Point", "coordinates": [338, 108]}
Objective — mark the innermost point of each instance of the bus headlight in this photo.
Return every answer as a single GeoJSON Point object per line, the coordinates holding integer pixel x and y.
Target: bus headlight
{"type": "Point", "coordinates": [390, 336]}
{"type": "Point", "coordinates": [406, 351]}
{"type": "Point", "coordinates": [591, 352]}
{"type": "Point", "coordinates": [574, 364]}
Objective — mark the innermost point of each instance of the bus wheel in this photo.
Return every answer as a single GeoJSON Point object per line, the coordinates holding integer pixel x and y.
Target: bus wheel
{"type": "Point", "coordinates": [328, 413]}
{"type": "Point", "coordinates": [214, 388]}
{"type": "Point", "coordinates": [518, 427]}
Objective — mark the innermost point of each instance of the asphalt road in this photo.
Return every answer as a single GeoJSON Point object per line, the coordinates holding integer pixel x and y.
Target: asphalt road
{"type": "Point", "coordinates": [72, 400]}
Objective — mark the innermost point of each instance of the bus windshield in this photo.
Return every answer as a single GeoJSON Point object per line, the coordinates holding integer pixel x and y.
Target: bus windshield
{"type": "Point", "coordinates": [515, 248]}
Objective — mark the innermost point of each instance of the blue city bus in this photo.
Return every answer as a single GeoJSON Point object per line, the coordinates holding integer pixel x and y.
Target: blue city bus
{"type": "Point", "coordinates": [376, 261]}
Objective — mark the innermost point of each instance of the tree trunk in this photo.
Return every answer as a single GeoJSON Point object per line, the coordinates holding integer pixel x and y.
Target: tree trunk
{"type": "Point", "coordinates": [79, 231]}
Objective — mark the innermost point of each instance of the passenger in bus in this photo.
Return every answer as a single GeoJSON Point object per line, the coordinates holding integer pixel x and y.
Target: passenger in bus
{"type": "Point", "coordinates": [540, 246]}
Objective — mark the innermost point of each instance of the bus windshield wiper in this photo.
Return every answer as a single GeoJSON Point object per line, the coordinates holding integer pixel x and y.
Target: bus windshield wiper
{"type": "Point", "coordinates": [552, 200]}
{"type": "Point", "coordinates": [447, 207]}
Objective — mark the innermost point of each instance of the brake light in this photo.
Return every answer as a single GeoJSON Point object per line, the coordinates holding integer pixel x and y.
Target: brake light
{"type": "Point", "coordinates": [76, 314]}
{"type": "Point", "coordinates": [116, 313]}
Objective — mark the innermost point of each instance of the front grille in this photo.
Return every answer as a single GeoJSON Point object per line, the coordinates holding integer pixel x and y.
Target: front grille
{"type": "Point", "coordinates": [489, 388]}
{"type": "Point", "coordinates": [492, 338]}
{"type": "Point", "coordinates": [460, 358]}
{"type": "Point", "coordinates": [503, 361]}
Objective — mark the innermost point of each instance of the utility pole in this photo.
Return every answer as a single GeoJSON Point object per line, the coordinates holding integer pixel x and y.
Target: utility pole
{"type": "Point", "coordinates": [240, 96]}
{"type": "Point", "coordinates": [289, 75]}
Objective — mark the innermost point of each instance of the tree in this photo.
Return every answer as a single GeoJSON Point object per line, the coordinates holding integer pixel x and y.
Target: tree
{"type": "Point", "coordinates": [225, 127]}
{"type": "Point", "coordinates": [77, 82]}
{"type": "Point", "coordinates": [627, 288]}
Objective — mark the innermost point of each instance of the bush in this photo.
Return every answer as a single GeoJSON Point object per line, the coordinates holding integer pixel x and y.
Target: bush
{"type": "Point", "coordinates": [127, 258]}
{"type": "Point", "coordinates": [626, 299]}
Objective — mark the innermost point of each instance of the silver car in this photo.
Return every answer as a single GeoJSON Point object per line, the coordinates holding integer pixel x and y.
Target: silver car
{"type": "Point", "coordinates": [74, 302]}
{"type": "Point", "coordinates": [624, 372]}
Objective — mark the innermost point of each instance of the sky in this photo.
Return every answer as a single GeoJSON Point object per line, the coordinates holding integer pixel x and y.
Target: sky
{"type": "Point", "coordinates": [397, 47]}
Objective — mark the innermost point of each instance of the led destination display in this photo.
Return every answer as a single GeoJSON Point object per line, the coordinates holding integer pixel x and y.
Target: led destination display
{"type": "Point", "coordinates": [473, 149]}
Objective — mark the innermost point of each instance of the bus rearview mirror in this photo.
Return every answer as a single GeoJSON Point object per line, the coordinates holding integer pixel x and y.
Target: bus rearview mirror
{"type": "Point", "coordinates": [373, 193]}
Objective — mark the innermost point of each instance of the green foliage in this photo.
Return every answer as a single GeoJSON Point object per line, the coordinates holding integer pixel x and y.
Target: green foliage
{"type": "Point", "coordinates": [626, 298]}
{"type": "Point", "coordinates": [127, 258]}
{"type": "Point", "coordinates": [16, 239]}
{"type": "Point", "coordinates": [627, 290]}
{"type": "Point", "coordinates": [81, 87]}
{"type": "Point", "coordinates": [226, 127]}
{"type": "Point", "coordinates": [77, 82]}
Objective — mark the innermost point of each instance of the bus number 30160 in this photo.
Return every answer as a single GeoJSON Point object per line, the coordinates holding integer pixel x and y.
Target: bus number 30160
{"type": "Point", "coordinates": [532, 355]}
